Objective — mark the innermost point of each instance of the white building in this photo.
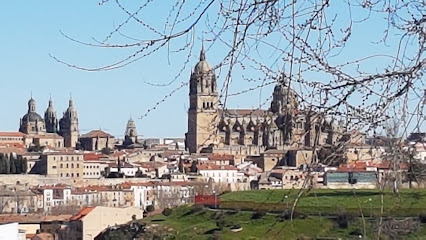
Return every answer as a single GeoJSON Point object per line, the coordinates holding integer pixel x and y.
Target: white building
{"type": "Point", "coordinates": [11, 231]}
{"type": "Point", "coordinates": [93, 169]}
{"type": "Point", "coordinates": [220, 174]}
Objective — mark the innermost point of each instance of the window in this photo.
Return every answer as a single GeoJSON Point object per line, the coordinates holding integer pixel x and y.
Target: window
{"type": "Point", "coordinates": [78, 165]}
{"type": "Point", "coordinates": [78, 174]}
{"type": "Point", "coordinates": [67, 165]}
{"type": "Point", "coordinates": [72, 174]}
{"type": "Point", "coordinates": [72, 165]}
{"type": "Point", "coordinates": [62, 166]}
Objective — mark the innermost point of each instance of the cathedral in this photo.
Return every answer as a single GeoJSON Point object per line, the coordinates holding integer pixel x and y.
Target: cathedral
{"type": "Point", "coordinates": [250, 131]}
{"type": "Point", "coordinates": [50, 129]}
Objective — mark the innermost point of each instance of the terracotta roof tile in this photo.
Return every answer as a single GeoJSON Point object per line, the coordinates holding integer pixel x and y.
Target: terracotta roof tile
{"type": "Point", "coordinates": [83, 212]}
{"type": "Point", "coordinates": [12, 134]}
{"type": "Point", "coordinates": [96, 133]}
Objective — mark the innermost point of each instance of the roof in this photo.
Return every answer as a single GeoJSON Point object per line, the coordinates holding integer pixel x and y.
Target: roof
{"type": "Point", "coordinates": [83, 212]}
{"type": "Point", "coordinates": [33, 218]}
{"type": "Point", "coordinates": [43, 236]}
{"type": "Point", "coordinates": [244, 112]}
{"type": "Point", "coordinates": [46, 136]}
{"type": "Point", "coordinates": [32, 117]}
{"type": "Point", "coordinates": [151, 164]}
{"type": "Point", "coordinates": [96, 134]}
{"type": "Point", "coordinates": [94, 156]}
{"type": "Point", "coordinates": [63, 153]}
{"type": "Point", "coordinates": [216, 157]}
{"type": "Point", "coordinates": [206, 167]}
{"type": "Point", "coordinates": [12, 134]}
{"type": "Point", "coordinates": [56, 186]}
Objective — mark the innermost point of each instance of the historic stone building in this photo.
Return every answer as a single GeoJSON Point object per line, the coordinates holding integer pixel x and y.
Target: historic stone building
{"type": "Point", "coordinates": [32, 122]}
{"type": "Point", "coordinates": [131, 140]}
{"type": "Point", "coordinates": [49, 131]}
{"type": "Point", "coordinates": [68, 126]}
{"type": "Point", "coordinates": [203, 106]}
{"type": "Point", "coordinates": [250, 131]}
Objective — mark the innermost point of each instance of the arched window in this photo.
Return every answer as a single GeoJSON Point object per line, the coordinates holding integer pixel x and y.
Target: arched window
{"type": "Point", "coordinates": [72, 165]}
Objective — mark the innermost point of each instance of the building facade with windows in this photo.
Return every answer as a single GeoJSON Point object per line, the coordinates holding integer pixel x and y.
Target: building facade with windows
{"type": "Point", "coordinates": [63, 164]}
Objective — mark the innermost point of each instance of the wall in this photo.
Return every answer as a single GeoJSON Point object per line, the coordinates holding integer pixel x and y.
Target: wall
{"type": "Point", "coordinates": [9, 231]}
{"type": "Point", "coordinates": [102, 217]}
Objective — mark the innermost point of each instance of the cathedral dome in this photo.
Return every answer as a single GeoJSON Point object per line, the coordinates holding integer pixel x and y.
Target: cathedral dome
{"type": "Point", "coordinates": [32, 117]}
{"type": "Point", "coordinates": [202, 66]}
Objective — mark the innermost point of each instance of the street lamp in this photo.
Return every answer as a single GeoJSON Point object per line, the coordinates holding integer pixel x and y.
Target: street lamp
{"type": "Point", "coordinates": [214, 193]}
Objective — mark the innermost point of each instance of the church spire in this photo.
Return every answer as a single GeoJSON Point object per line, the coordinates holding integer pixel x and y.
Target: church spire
{"type": "Point", "coordinates": [70, 102]}
{"type": "Point", "coordinates": [202, 53]}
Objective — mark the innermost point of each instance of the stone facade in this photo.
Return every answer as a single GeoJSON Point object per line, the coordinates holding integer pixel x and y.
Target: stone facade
{"type": "Point", "coordinates": [49, 131]}
{"type": "Point", "coordinates": [62, 164]}
{"type": "Point", "coordinates": [283, 125]}
{"type": "Point", "coordinates": [96, 140]}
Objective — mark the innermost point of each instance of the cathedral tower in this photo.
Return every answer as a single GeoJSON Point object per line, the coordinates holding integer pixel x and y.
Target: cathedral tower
{"type": "Point", "coordinates": [69, 126]}
{"type": "Point", "coordinates": [32, 122]}
{"type": "Point", "coordinates": [50, 118]}
{"type": "Point", "coordinates": [131, 134]}
{"type": "Point", "coordinates": [203, 106]}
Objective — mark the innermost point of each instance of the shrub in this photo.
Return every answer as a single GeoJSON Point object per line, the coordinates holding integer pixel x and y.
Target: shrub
{"type": "Point", "coordinates": [258, 214]}
{"type": "Point", "coordinates": [343, 219]}
{"type": "Point", "coordinates": [422, 217]}
{"type": "Point", "coordinates": [220, 224]}
{"type": "Point", "coordinates": [196, 208]}
{"type": "Point", "coordinates": [150, 208]}
{"type": "Point", "coordinates": [218, 215]}
{"type": "Point", "coordinates": [167, 212]}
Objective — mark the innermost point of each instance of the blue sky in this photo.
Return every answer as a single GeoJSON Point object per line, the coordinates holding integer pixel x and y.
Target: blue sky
{"type": "Point", "coordinates": [30, 31]}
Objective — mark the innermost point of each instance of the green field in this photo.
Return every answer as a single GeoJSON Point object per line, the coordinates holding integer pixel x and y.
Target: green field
{"type": "Point", "coordinates": [408, 203]}
{"type": "Point", "coordinates": [185, 223]}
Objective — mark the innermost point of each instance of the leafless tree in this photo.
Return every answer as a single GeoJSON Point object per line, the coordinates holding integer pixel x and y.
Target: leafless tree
{"type": "Point", "coordinates": [306, 44]}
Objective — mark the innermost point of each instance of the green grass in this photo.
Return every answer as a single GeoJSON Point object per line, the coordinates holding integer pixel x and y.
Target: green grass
{"type": "Point", "coordinates": [408, 203]}
{"type": "Point", "coordinates": [187, 224]}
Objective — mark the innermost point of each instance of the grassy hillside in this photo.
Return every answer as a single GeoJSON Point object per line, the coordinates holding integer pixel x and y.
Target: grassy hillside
{"type": "Point", "coordinates": [407, 203]}
{"type": "Point", "coordinates": [191, 223]}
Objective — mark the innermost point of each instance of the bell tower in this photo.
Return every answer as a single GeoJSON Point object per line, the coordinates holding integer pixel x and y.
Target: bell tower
{"type": "Point", "coordinates": [69, 126]}
{"type": "Point", "coordinates": [203, 106]}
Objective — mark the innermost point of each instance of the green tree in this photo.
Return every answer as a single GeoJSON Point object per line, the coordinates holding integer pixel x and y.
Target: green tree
{"type": "Point", "coordinates": [2, 163]}
{"type": "Point", "coordinates": [150, 208]}
{"type": "Point", "coordinates": [106, 151]}
{"type": "Point", "coordinates": [24, 165]}
{"type": "Point", "coordinates": [7, 164]}
{"type": "Point", "coordinates": [12, 161]}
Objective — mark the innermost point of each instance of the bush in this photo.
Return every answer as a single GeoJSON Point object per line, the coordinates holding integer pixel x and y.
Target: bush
{"type": "Point", "coordinates": [197, 208]}
{"type": "Point", "coordinates": [167, 212]}
{"type": "Point", "coordinates": [218, 215]}
{"type": "Point", "coordinates": [220, 224]}
{"type": "Point", "coordinates": [150, 208]}
{"type": "Point", "coordinates": [422, 217]}
{"type": "Point", "coordinates": [258, 214]}
{"type": "Point", "coordinates": [343, 219]}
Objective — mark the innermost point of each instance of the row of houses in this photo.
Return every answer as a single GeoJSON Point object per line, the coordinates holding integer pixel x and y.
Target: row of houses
{"type": "Point", "coordinates": [86, 224]}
